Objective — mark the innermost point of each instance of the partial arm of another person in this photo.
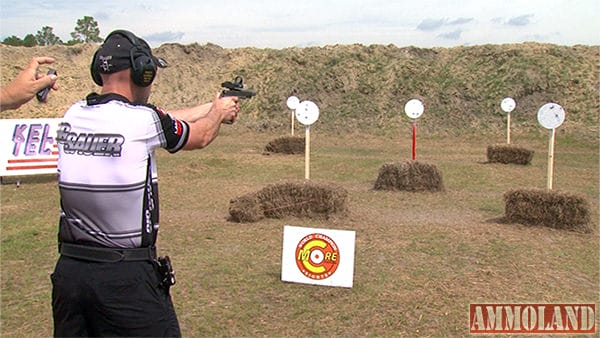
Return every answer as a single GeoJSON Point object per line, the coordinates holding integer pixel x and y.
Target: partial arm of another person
{"type": "Point", "coordinates": [24, 87]}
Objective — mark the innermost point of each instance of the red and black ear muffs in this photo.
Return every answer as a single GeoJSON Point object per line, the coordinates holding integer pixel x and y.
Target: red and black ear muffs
{"type": "Point", "coordinates": [143, 66]}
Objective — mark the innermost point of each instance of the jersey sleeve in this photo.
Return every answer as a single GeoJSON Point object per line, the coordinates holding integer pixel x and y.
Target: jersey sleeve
{"type": "Point", "coordinates": [176, 132]}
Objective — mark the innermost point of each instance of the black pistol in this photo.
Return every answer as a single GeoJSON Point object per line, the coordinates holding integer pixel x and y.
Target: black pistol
{"type": "Point", "coordinates": [236, 88]}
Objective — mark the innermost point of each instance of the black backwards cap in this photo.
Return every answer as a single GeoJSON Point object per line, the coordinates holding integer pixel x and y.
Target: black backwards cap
{"type": "Point", "coordinates": [121, 50]}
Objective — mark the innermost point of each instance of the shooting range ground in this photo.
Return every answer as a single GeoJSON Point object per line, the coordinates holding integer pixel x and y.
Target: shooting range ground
{"type": "Point", "coordinates": [421, 258]}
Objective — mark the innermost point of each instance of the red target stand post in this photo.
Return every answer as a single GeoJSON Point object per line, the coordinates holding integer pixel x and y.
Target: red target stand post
{"type": "Point", "coordinates": [414, 109]}
{"type": "Point", "coordinates": [412, 175]}
{"type": "Point", "coordinates": [307, 113]}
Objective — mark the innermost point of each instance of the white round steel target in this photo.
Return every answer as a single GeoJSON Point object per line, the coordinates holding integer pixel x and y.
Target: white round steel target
{"type": "Point", "coordinates": [551, 115]}
{"type": "Point", "coordinates": [307, 113]}
{"type": "Point", "coordinates": [414, 108]}
{"type": "Point", "coordinates": [508, 104]}
{"type": "Point", "coordinates": [292, 102]}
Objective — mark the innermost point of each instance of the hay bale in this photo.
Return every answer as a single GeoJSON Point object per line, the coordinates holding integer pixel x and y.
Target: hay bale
{"type": "Point", "coordinates": [246, 208]}
{"type": "Point", "coordinates": [409, 176]}
{"type": "Point", "coordinates": [299, 199]}
{"type": "Point", "coordinates": [553, 209]}
{"type": "Point", "coordinates": [507, 154]}
{"type": "Point", "coordinates": [286, 145]}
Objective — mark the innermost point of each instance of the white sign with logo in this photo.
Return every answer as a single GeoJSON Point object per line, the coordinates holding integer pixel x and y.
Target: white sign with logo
{"type": "Point", "coordinates": [318, 256]}
{"type": "Point", "coordinates": [28, 146]}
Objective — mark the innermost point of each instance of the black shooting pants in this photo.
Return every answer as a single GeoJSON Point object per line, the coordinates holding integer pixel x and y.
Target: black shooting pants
{"type": "Point", "coordinates": [110, 299]}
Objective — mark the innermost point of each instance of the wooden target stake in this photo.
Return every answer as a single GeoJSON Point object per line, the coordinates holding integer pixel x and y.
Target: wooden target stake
{"type": "Point", "coordinates": [551, 158]}
{"type": "Point", "coordinates": [307, 113]}
{"type": "Point", "coordinates": [292, 103]}
{"type": "Point", "coordinates": [414, 140]}
{"type": "Point", "coordinates": [508, 128]}
{"type": "Point", "coordinates": [307, 154]}
{"type": "Point", "coordinates": [508, 105]}
{"type": "Point", "coordinates": [293, 118]}
{"type": "Point", "coordinates": [551, 116]}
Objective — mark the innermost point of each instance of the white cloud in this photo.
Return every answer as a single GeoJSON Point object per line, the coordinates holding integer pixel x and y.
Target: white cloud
{"type": "Point", "coordinates": [521, 20]}
{"type": "Point", "coordinates": [454, 35]}
{"type": "Point", "coordinates": [431, 24]}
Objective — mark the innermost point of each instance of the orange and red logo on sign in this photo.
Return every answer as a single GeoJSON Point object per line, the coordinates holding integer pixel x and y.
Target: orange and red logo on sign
{"type": "Point", "coordinates": [532, 318]}
{"type": "Point", "coordinates": [317, 256]}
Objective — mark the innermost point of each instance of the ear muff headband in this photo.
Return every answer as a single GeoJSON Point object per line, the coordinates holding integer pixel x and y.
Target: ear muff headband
{"type": "Point", "coordinates": [143, 66]}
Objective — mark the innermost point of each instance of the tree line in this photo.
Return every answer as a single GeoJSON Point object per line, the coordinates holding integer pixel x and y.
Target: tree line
{"type": "Point", "coordinates": [85, 31]}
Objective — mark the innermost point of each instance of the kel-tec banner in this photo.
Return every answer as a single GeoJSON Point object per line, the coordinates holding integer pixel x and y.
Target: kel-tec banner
{"type": "Point", "coordinates": [28, 146]}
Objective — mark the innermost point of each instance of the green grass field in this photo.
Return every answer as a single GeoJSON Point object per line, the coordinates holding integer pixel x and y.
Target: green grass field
{"type": "Point", "coordinates": [420, 258]}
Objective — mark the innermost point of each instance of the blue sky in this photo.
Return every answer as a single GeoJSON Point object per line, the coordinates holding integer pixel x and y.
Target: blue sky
{"type": "Point", "coordinates": [280, 23]}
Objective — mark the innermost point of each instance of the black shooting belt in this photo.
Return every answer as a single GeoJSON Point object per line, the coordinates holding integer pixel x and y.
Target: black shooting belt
{"type": "Point", "coordinates": [106, 255]}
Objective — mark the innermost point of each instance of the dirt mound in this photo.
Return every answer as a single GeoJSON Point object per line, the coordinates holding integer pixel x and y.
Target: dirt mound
{"type": "Point", "coordinates": [286, 145]}
{"type": "Point", "coordinates": [507, 154]}
{"type": "Point", "coordinates": [409, 176]}
{"type": "Point", "coordinates": [300, 199]}
{"type": "Point", "coordinates": [553, 209]}
{"type": "Point", "coordinates": [461, 86]}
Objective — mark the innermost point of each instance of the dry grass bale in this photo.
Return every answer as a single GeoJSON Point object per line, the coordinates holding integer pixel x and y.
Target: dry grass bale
{"type": "Point", "coordinates": [409, 176]}
{"type": "Point", "coordinates": [246, 209]}
{"type": "Point", "coordinates": [286, 145]}
{"type": "Point", "coordinates": [300, 199]}
{"type": "Point", "coordinates": [506, 154]}
{"type": "Point", "coordinates": [303, 199]}
{"type": "Point", "coordinates": [553, 209]}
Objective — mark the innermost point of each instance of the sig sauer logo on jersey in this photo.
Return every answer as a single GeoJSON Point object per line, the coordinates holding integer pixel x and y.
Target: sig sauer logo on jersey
{"type": "Point", "coordinates": [89, 143]}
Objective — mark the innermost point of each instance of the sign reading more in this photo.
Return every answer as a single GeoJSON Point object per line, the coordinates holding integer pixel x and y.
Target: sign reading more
{"type": "Point", "coordinates": [318, 256]}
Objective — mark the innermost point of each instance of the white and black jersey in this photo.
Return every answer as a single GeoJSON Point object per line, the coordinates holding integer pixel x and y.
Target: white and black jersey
{"type": "Point", "coordinates": [107, 172]}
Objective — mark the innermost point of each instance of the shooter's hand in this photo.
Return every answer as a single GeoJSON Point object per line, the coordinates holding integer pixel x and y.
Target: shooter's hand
{"type": "Point", "coordinates": [226, 107]}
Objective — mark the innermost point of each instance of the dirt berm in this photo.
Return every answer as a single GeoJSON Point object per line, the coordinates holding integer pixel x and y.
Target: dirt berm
{"type": "Point", "coordinates": [357, 86]}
